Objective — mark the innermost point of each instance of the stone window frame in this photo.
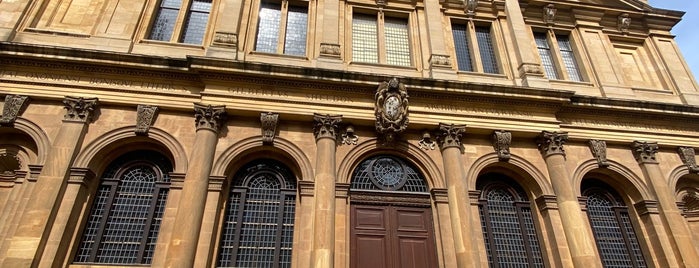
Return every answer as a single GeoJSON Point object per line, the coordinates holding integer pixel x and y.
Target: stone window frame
{"type": "Point", "coordinates": [560, 66]}
{"type": "Point", "coordinates": [181, 23]}
{"type": "Point", "coordinates": [282, 27]}
{"type": "Point", "coordinates": [398, 12]}
{"type": "Point", "coordinates": [475, 52]}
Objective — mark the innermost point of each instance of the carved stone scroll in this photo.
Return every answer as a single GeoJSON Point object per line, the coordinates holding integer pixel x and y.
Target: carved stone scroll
{"type": "Point", "coordinates": [326, 126]}
{"type": "Point", "coordinates": [79, 109]}
{"type": "Point", "coordinates": [145, 118]}
{"type": "Point", "coordinates": [450, 135]}
{"type": "Point", "coordinates": [427, 143]}
{"type": "Point", "coordinates": [688, 157]}
{"type": "Point", "coordinates": [599, 151]}
{"type": "Point", "coordinates": [391, 109]}
{"type": "Point", "coordinates": [644, 152]}
{"type": "Point", "coordinates": [551, 143]}
{"type": "Point", "coordinates": [269, 126]}
{"type": "Point", "coordinates": [349, 137]}
{"type": "Point", "coordinates": [13, 106]}
{"type": "Point", "coordinates": [501, 143]}
{"type": "Point", "coordinates": [209, 117]}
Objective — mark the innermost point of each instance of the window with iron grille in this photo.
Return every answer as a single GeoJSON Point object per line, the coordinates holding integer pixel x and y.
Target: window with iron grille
{"type": "Point", "coordinates": [281, 28]}
{"type": "Point", "coordinates": [611, 226]}
{"type": "Point", "coordinates": [380, 39]}
{"type": "Point", "coordinates": [508, 226]}
{"type": "Point", "coordinates": [125, 217]}
{"type": "Point", "coordinates": [172, 23]}
{"type": "Point", "coordinates": [464, 34]}
{"type": "Point", "coordinates": [557, 56]}
{"type": "Point", "coordinates": [387, 173]}
{"type": "Point", "coordinates": [258, 226]}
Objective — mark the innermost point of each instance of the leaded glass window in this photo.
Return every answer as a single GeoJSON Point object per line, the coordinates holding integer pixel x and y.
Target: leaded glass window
{"type": "Point", "coordinates": [387, 173]}
{"type": "Point", "coordinates": [282, 28]}
{"type": "Point", "coordinates": [557, 56]}
{"type": "Point", "coordinates": [568, 57]}
{"type": "Point", "coordinates": [125, 217]}
{"type": "Point", "coordinates": [381, 39]}
{"type": "Point", "coordinates": [258, 225]}
{"type": "Point", "coordinates": [508, 226]}
{"type": "Point", "coordinates": [542, 44]}
{"type": "Point", "coordinates": [464, 33]}
{"type": "Point", "coordinates": [611, 226]}
{"type": "Point", "coordinates": [193, 29]}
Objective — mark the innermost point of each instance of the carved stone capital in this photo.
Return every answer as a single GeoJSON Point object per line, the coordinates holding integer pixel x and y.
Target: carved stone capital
{"type": "Point", "coordinates": [501, 143]}
{"type": "Point", "coordinates": [79, 109]}
{"type": "Point", "coordinates": [13, 106]}
{"type": "Point", "coordinates": [644, 152]}
{"type": "Point", "coordinates": [216, 183]}
{"type": "Point", "coordinates": [599, 151]}
{"type": "Point", "coordinates": [440, 195]}
{"type": "Point", "coordinates": [330, 50]}
{"type": "Point", "coordinates": [226, 39]}
{"type": "Point", "coordinates": [145, 118]}
{"type": "Point", "coordinates": [546, 202]}
{"type": "Point", "coordinates": [326, 126]}
{"type": "Point", "coordinates": [440, 60]}
{"type": "Point", "coordinates": [647, 207]}
{"type": "Point", "coordinates": [82, 176]}
{"type": "Point", "coordinates": [176, 180]}
{"type": "Point", "coordinates": [209, 117]}
{"type": "Point", "coordinates": [550, 143]}
{"type": "Point", "coordinates": [450, 135]}
{"type": "Point", "coordinates": [305, 188]}
{"type": "Point", "coordinates": [550, 14]}
{"type": "Point", "coordinates": [342, 190]}
{"type": "Point", "coordinates": [269, 126]}
{"type": "Point", "coordinates": [391, 109]}
{"type": "Point", "coordinates": [349, 137]}
{"type": "Point", "coordinates": [688, 157]}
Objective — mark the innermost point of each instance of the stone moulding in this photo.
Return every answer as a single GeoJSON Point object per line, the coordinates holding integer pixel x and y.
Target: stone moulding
{"type": "Point", "coordinates": [330, 50]}
{"type": "Point", "coordinates": [226, 39]}
{"type": "Point", "coordinates": [391, 109]}
{"type": "Point", "coordinates": [12, 109]}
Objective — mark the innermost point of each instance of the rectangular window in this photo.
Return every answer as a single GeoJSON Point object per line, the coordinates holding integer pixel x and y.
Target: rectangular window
{"type": "Point", "coordinates": [282, 29]}
{"type": "Point", "coordinates": [557, 56]}
{"type": "Point", "coordinates": [484, 60]}
{"type": "Point", "coordinates": [381, 40]}
{"type": "Point", "coordinates": [192, 31]}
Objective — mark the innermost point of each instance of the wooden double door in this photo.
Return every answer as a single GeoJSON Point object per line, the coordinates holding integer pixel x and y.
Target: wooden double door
{"type": "Point", "coordinates": [388, 236]}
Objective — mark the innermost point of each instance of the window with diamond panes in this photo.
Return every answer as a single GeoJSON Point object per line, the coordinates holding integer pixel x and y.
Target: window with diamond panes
{"type": "Point", "coordinates": [508, 226]}
{"type": "Point", "coordinates": [258, 225]}
{"type": "Point", "coordinates": [464, 33]}
{"type": "Point", "coordinates": [611, 226]}
{"type": "Point", "coordinates": [381, 39]}
{"type": "Point", "coordinates": [125, 216]}
{"type": "Point", "coordinates": [557, 56]}
{"type": "Point", "coordinates": [387, 173]}
{"type": "Point", "coordinates": [282, 28]}
{"type": "Point", "coordinates": [191, 30]}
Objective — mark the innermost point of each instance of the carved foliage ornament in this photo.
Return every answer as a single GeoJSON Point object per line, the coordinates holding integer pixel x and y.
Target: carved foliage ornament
{"type": "Point", "coordinates": [209, 117]}
{"type": "Point", "coordinates": [501, 143]}
{"type": "Point", "coordinates": [551, 143]}
{"type": "Point", "coordinates": [79, 109]}
{"type": "Point", "coordinates": [269, 126]}
{"type": "Point", "coordinates": [326, 126]}
{"type": "Point", "coordinates": [349, 137]}
{"type": "Point", "coordinates": [550, 14]}
{"type": "Point", "coordinates": [688, 157]}
{"type": "Point", "coordinates": [13, 106]}
{"type": "Point", "coordinates": [427, 143]}
{"type": "Point", "coordinates": [391, 109]}
{"type": "Point", "coordinates": [450, 135]}
{"type": "Point", "coordinates": [145, 118]}
{"type": "Point", "coordinates": [644, 152]}
{"type": "Point", "coordinates": [599, 151]}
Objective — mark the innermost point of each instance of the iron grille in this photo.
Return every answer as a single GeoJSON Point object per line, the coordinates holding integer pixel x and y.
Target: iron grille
{"type": "Point", "coordinates": [387, 173]}
{"type": "Point", "coordinates": [259, 220]}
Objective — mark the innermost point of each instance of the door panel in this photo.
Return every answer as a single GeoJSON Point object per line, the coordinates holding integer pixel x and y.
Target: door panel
{"type": "Point", "coordinates": [414, 252]}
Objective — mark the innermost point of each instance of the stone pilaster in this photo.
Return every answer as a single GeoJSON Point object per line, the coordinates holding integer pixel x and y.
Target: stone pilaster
{"type": "Point", "coordinates": [530, 71]}
{"type": "Point", "coordinates": [325, 130]}
{"type": "Point", "coordinates": [183, 243]}
{"type": "Point", "coordinates": [457, 193]}
{"type": "Point", "coordinates": [580, 243]}
{"type": "Point", "coordinates": [681, 239]}
{"type": "Point", "coordinates": [26, 246]}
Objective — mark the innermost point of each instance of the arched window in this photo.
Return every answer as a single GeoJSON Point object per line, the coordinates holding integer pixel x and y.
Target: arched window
{"type": "Point", "coordinates": [611, 226]}
{"type": "Point", "coordinates": [387, 173]}
{"type": "Point", "coordinates": [258, 227]}
{"type": "Point", "coordinates": [125, 217]}
{"type": "Point", "coordinates": [506, 219]}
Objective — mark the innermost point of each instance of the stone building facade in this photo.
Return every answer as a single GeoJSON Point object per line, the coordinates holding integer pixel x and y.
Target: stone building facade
{"type": "Point", "coordinates": [355, 133]}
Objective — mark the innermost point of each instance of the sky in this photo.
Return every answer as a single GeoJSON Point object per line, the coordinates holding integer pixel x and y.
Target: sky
{"type": "Point", "coordinates": [686, 38]}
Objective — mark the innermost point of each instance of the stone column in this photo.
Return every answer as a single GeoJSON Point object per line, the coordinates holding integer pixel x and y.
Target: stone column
{"type": "Point", "coordinates": [190, 212]}
{"type": "Point", "coordinates": [671, 217]}
{"type": "Point", "coordinates": [27, 244]}
{"type": "Point", "coordinates": [662, 250]}
{"type": "Point", "coordinates": [325, 130]}
{"type": "Point", "coordinates": [450, 143]}
{"type": "Point", "coordinates": [529, 67]}
{"type": "Point", "coordinates": [576, 229]}
{"type": "Point", "coordinates": [555, 237]}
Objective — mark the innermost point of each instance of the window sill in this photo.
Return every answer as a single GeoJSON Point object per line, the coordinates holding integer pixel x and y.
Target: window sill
{"type": "Point", "coordinates": [381, 65]}
{"type": "Point", "coordinates": [275, 55]}
{"type": "Point", "coordinates": [498, 75]}
{"type": "Point", "coordinates": [569, 82]}
{"type": "Point", "coordinates": [106, 265]}
{"type": "Point", "coordinates": [165, 43]}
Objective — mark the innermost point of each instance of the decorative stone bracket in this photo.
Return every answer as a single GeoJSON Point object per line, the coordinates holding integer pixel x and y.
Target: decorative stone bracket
{"type": "Point", "coordinates": [330, 50]}
{"type": "Point", "coordinates": [501, 143]}
{"type": "Point", "coordinates": [688, 157]}
{"type": "Point", "coordinates": [145, 117]}
{"type": "Point", "coordinates": [599, 151]}
{"type": "Point", "coordinates": [12, 109]}
{"type": "Point", "coordinates": [349, 137]}
{"type": "Point", "coordinates": [226, 39]}
{"type": "Point", "coordinates": [269, 126]}
{"type": "Point", "coordinates": [427, 142]}
{"type": "Point", "coordinates": [550, 14]}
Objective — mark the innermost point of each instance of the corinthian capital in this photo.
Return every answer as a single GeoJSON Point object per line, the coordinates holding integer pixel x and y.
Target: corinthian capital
{"type": "Point", "coordinates": [644, 152]}
{"type": "Point", "coordinates": [79, 109]}
{"type": "Point", "coordinates": [450, 135]}
{"type": "Point", "coordinates": [326, 126]}
{"type": "Point", "coordinates": [209, 117]}
{"type": "Point", "coordinates": [551, 143]}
